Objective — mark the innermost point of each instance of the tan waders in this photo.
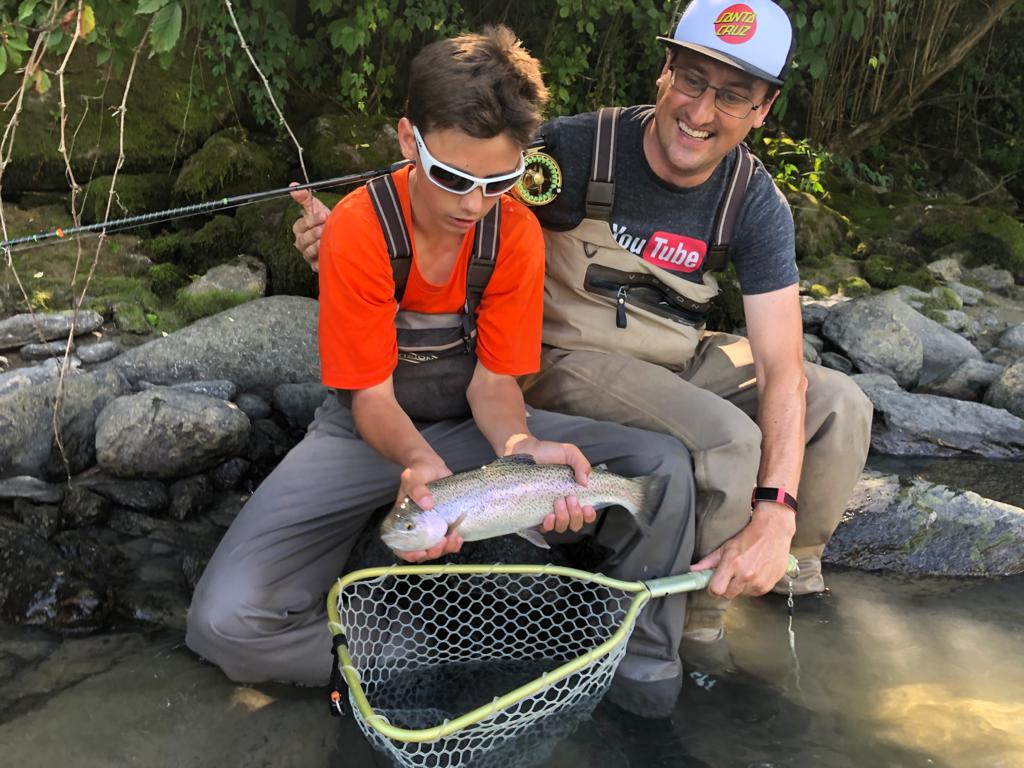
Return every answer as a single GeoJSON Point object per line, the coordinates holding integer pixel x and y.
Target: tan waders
{"type": "Point", "coordinates": [610, 357]}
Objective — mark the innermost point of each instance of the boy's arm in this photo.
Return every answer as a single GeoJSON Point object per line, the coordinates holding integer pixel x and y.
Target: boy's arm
{"type": "Point", "coordinates": [500, 414]}
{"type": "Point", "coordinates": [383, 424]}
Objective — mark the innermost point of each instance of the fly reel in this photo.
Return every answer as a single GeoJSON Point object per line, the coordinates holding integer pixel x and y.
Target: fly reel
{"type": "Point", "coordinates": [541, 181]}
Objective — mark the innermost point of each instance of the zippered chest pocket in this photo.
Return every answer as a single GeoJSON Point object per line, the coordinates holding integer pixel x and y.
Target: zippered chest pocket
{"type": "Point", "coordinates": [644, 291]}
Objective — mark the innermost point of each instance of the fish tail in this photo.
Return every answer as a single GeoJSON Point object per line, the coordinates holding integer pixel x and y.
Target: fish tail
{"type": "Point", "coordinates": [652, 491]}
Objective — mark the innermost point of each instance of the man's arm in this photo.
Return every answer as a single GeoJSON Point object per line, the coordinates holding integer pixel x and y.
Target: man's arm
{"type": "Point", "coordinates": [500, 413]}
{"type": "Point", "coordinates": [754, 560]}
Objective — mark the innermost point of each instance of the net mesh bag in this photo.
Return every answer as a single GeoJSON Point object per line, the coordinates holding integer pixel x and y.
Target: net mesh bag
{"type": "Point", "coordinates": [430, 648]}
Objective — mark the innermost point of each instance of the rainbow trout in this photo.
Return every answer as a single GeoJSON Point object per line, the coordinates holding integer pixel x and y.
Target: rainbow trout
{"type": "Point", "coordinates": [511, 495]}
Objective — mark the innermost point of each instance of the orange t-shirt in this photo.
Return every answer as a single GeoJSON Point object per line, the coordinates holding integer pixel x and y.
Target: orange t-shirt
{"type": "Point", "coordinates": [358, 344]}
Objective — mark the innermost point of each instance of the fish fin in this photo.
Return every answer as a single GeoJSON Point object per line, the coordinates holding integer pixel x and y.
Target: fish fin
{"type": "Point", "coordinates": [454, 526]}
{"type": "Point", "coordinates": [515, 458]}
{"type": "Point", "coordinates": [533, 536]}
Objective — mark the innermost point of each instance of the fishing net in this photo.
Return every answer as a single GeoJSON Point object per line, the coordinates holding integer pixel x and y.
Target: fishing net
{"type": "Point", "coordinates": [430, 647]}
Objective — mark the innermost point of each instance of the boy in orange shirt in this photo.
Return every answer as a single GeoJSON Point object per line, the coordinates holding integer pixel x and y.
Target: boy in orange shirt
{"type": "Point", "coordinates": [431, 293]}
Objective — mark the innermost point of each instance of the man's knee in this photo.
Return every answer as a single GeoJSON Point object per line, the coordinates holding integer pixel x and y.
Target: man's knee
{"type": "Point", "coordinates": [840, 401]}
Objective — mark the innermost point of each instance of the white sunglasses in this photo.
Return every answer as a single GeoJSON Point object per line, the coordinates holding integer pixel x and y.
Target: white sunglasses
{"type": "Point", "coordinates": [459, 182]}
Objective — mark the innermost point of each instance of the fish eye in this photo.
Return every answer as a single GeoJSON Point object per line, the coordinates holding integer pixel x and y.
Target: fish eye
{"type": "Point", "coordinates": [409, 526]}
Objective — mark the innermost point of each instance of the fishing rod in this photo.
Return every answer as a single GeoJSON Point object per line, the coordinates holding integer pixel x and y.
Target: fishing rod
{"type": "Point", "coordinates": [116, 225]}
{"type": "Point", "coordinates": [541, 182]}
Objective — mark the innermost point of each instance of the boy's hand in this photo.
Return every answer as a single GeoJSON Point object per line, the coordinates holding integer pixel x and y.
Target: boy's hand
{"type": "Point", "coordinates": [414, 485]}
{"type": "Point", "coordinates": [567, 512]}
{"type": "Point", "coordinates": [310, 226]}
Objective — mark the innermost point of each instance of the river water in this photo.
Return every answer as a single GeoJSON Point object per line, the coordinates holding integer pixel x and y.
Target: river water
{"type": "Point", "coordinates": [886, 672]}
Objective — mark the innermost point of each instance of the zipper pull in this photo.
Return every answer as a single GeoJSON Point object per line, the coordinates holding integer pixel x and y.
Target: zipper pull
{"type": "Point", "coordinates": [620, 309]}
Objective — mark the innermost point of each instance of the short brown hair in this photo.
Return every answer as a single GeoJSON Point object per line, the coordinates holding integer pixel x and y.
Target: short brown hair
{"type": "Point", "coordinates": [484, 85]}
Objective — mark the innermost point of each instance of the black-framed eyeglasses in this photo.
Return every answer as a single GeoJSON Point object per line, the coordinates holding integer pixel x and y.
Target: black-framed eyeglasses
{"type": "Point", "coordinates": [691, 84]}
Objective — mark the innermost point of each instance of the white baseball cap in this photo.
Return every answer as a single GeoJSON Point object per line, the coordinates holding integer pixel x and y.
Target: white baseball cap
{"type": "Point", "coordinates": [753, 35]}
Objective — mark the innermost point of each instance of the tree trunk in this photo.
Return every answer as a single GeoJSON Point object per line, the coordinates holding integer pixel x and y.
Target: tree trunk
{"type": "Point", "coordinates": [893, 112]}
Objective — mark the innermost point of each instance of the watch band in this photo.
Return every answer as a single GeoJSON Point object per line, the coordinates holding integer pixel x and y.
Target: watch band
{"type": "Point", "coordinates": [778, 495]}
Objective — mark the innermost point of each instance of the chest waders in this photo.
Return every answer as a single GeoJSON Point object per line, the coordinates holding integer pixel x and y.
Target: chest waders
{"type": "Point", "coordinates": [436, 351]}
{"type": "Point", "coordinates": [599, 297]}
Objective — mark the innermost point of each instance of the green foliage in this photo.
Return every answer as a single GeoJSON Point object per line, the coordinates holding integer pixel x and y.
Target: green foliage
{"type": "Point", "coordinates": [883, 272]}
{"type": "Point", "coordinates": [819, 291]}
{"type": "Point", "coordinates": [166, 279]}
{"type": "Point", "coordinates": [796, 165]}
{"type": "Point", "coordinates": [195, 252]}
{"type": "Point", "coordinates": [228, 163]}
{"type": "Point", "coordinates": [855, 286]}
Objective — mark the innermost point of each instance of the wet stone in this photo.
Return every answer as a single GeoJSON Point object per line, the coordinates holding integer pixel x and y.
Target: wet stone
{"type": "Point", "coordinates": [82, 508]}
{"type": "Point", "coordinates": [268, 444]}
{"type": "Point", "coordinates": [226, 509]}
{"type": "Point", "coordinates": [43, 351]}
{"type": "Point", "coordinates": [220, 389]}
{"type": "Point", "coordinates": [41, 519]}
{"type": "Point", "coordinates": [298, 402]}
{"type": "Point", "coordinates": [149, 496]}
{"type": "Point", "coordinates": [19, 330]}
{"type": "Point", "coordinates": [94, 551]}
{"type": "Point", "coordinates": [48, 370]}
{"type": "Point", "coordinates": [4, 363]}
{"type": "Point", "coordinates": [189, 496]}
{"type": "Point", "coordinates": [98, 352]}
{"type": "Point", "coordinates": [253, 406]}
{"type": "Point", "coordinates": [31, 489]}
{"type": "Point", "coordinates": [228, 475]}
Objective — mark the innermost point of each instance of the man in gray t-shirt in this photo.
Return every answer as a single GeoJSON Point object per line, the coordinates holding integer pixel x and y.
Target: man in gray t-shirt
{"type": "Point", "coordinates": [760, 424]}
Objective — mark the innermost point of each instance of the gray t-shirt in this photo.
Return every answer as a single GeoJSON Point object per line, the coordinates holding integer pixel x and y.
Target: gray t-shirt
{"type": "Point", "coordinates": [665, 224]}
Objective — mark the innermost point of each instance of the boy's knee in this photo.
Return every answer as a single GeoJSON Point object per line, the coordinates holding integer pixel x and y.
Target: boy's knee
{"type": "Point", "coordinates": [215, 623]}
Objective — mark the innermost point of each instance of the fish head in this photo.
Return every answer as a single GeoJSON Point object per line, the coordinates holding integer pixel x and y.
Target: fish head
{"type": "Point", "coordinates": [409, 528]}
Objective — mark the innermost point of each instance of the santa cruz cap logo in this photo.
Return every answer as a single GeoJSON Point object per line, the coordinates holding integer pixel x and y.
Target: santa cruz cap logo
{"type": "Point", "coordinates": [736, 24]}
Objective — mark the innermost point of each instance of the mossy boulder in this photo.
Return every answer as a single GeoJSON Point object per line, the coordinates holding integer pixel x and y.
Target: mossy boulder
{"type": "Point", "coordinates": [130, 317]}
{"type": "Point", "coordinates": [855, 286]}
{"type": "Point", "coordinates": [166, 279]}
{"type": "Point", "coordinates": [820, 231]}
{"type": "Point", "coordinates": [196, 251]}
{"type": "Point", "coordinates": [192, 307]}
{"type": "Point", "coordinates": [336, 145]}
{"type": "Point", "coordinates": [231, 162]}
{"type": "Point", "coordinates": [988, 235]}
{"type": "Point", "coordinates": [160, 125]}
{"type": "Point", "coordinates": [819, 291]}
{"type": "Point", "coordinates": [267, 233]}
{"type": "Point", "coordinates": [133, 194]}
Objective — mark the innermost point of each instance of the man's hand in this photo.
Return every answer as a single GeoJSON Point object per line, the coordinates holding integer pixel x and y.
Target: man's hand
{"type": "Point", "coordinates": [414, 485]}
{"type": "Point", "coordinates": [310, 226]}
{"type": "Point", "coordinates": [752, 561]}
{"type": "Point", "coordinates": [567, 512]}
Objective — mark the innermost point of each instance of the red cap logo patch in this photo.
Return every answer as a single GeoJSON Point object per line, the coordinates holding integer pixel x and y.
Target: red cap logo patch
{"type": "Point", "coordinates": [736, 24]}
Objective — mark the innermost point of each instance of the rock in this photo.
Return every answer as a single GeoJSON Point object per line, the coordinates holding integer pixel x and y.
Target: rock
{"type": "Point", "coordinates": [189, 496]}
{"type": "Point", "coordinates": [268, 444]}
{"type": "Point", "coordinates": [968, 295]}
{"type": "Point", "coordinates": [48, 370]}
{"type": "Point", "coordinates": [82, 508]}
{"type": "Point", "coordinates": [960, 323]}
{"type": "Point", "coordinates": [1001, 357]}
{"type": "Point", "coordinates": [164, 604]}
{"type": "Point", "coordinates": [39, 351]}
{"type": "Point", "coordinates": [947, 270]}
{"type": "Point", "coordinates": [257, 345]}
{"type": "Point", "coordinates": [193, 432]}
{"type": "Point", "coordinates": [135, 194]}
{"type": "Point", "coordinates": [991, 236]}
{"type": "Point", "coordinates": [814, 311]}
{"type": "Point", "coordinates": [39, 588]}
{"type": "Point", "coordinates": [923, 528]}
{"type": "Point", "coordinates": [1007, 391]}
{"type": "Point", "coordinates": [95, 551]}
{"type": "Point", "coordinates": [810, 352]}
{"type": "Point", "coordinates": [971, 182]}
{"type": "Point", "coordinates": [298, 402]}
{"type": "Point", "coordinates": [836, 362]}
{"type": "Point", "coordinates": [130, 317]}
{"type": "Point", "coordinates": [228, 475]}
{"type": "Point", "coordinates": [4, 363]}
{"type": "Point", "coordinates": [968, 382]}
{"type": "Point", "coordinates": [184, 252]}
{"type": "Point", "coordinates": [815, 341]}
{"type": "Point", "coordinates": [31, 489]}
{"type": "Point", "coordinates": [993, 278]}
{"type": "Point", "coordinates": [927, 425]}
{"type": "Point", "coordinates": [253, 406]}
{"type": "Point", "coordinates": [230, 162]}
{"type": "Point", "coordinates": [244, 275]}
{"type": "Point", "coordinates": [869, 332]}
{"type": "Point", "coordinates": [148, 496]}
{"type": "Point", "coordinates": [42, 519]}
{"type": "Point", "coordinates": [19, 330]}
{"type": "Point", "coordinates": [90, 354]}
{"type": "Point", "coordinates": [946, 298]}
{"type": "Point", "coordinates": [1012, 340]}
{"type": "Point", "coordinates": [222, 389]}
{"type": "Point", "coordinates": [27, 445]}
{"type": "Point", "coordinates": [819, 231]}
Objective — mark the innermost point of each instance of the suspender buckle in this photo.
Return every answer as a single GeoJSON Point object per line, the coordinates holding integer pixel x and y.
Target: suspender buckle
{"type": "Point", "coordinates": [600, 196]}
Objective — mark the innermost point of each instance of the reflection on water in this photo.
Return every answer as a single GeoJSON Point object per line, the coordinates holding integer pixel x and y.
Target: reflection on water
{"type": "Point", "coordinates": [893, 673]}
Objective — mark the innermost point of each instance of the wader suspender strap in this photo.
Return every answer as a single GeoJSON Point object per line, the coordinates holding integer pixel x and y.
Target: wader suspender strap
{"type": "Point", "coordinates": [601, 189]}
{"type": "Point", "coordinates": [729, 210]}
{"type": "Point", "coordinates": [384, 197]}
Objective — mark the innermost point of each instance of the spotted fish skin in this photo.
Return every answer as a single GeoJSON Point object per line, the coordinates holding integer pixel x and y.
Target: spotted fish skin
{"type": "Point", "coordinates": [511, 495]}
